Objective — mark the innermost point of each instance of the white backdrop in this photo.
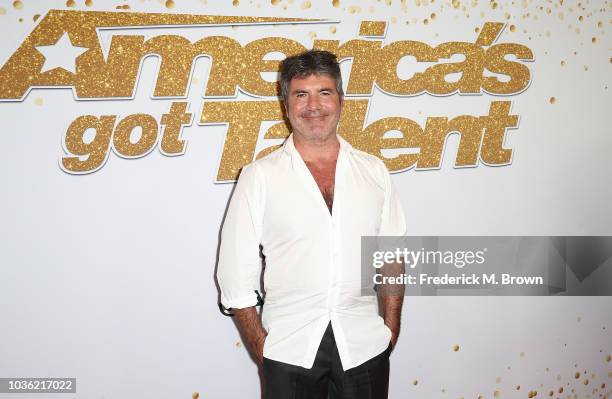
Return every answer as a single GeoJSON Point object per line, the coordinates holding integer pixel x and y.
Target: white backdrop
{"type": "Point", "coordinates": [109, 276]}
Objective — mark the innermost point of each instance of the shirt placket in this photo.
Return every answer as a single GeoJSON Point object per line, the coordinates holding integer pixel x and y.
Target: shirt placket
{"type": "Point", "coordinates": [335, 271]}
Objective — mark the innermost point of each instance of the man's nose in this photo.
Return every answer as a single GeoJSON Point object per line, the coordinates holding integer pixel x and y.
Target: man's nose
{"type": "Point", "coordinates": [313, 102]}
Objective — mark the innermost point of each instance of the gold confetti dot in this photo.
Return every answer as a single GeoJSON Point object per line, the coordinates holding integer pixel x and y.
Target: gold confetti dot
{"type": "Point", "coordinates": [88, 3]}
{"type": "Point", "coordinates": [18, 4]}
{"type": "Point", "coordinates": [456, 3]}
{"type": "Point", "coordinates": [38, 101]}
{"type": "Point", "coordinates": [238, 344]}
{"type": "Point", "coordinates": [20, 19]}
{"type": "Point", "coordinates": [586, 381]}
{"type": "Point", "coordinates": [306, 5]}
{"type": "Point", "coordinates": [599, 24]}
{"type": "Point", "coordinates": [518, 387]}
{"type": "Point", "coordinates": [593, 40]}
{"type": "Point", "coordinates": [477, 29]}
{"type": "Point", "coordinates": [577, 375]}
{"type": "Point", "coordinates": [608, 358]}
{"type": "Point", "coordinates": [552, 100]}
{"type": "Point", "coordinates": [415, 382]}
{"type": "Point", "coordinates": [70, 3]}
{"type": "Point", "coordinates": [562, 63]}
{"type": "Point", "coordinates": [332, 29]}
{"type": "Point", "coordinates": [195, 395]}
{"type": "Point", "coordinates": [275, 2]}
{"type": "Point", "coordinates": [512, 28]}
{"type": "Point", "coordinates": [494, 5]}
{"type": "Point", "coordinates": [312, 35]}
{"type": "Point", "coordinates": [586, 67]}
{"type": "Point", "coordinates": [235, 3]}
{"type": "Point", "coordinates": [498, 380]}
{"type": "Point", "coordinates": [336, 3]}
{"type": "Point", "coordinates": [425, 21]}
{"type": "Point", "coordinates": [580, 18]}
{"type": "Point", "coordinates": [169, 4]}
{"type": "Point", "coordinates": [35, 17]}
{"type": "Point", "coordinates": [455, 348]}
{"type": "Point", "coordinates": [433, 15]}
{"type": "Point", "coordinates": [532, 394]}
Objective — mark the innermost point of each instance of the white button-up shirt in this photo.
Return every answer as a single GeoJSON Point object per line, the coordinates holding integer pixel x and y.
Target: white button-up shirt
{"type": "Point", "coordinates": [312, 258]}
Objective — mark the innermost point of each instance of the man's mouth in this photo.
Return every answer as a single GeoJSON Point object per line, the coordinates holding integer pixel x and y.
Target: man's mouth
{"type": "Point", "coordinates": [313, 116]}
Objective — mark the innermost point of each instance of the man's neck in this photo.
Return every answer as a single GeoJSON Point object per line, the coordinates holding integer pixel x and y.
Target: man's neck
{"type": "Point", "coordinates": [317, 150]}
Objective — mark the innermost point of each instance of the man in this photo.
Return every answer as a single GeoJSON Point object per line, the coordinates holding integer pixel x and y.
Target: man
{"type": "Point", "coordinates": [308, 204]}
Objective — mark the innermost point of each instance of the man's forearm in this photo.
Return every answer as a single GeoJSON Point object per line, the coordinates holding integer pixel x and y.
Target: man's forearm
{"type": "Point", "coordinates": [249, 324]}
{"type": "Point", "coordinates": [393, 299]}
{"type": "Point", "coordinates": [392, 309]}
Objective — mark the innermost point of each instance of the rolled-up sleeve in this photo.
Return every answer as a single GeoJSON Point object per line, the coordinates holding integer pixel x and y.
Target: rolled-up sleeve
{"type": "Point", "coordinates": [239, 265]}
{"type": "Point", "coordinates": [393, 220]}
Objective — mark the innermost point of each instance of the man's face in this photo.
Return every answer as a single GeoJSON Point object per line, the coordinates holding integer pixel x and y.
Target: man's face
{"type": "Point", "coordinates": [313, 106]}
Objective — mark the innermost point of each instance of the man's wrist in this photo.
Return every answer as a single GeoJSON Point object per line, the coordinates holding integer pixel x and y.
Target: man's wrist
{"type": "Point", "coordinates": [393, 323]}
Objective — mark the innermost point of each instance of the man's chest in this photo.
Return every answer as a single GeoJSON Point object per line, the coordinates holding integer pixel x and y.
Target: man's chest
{"type": "Point", "coordinates": [324, 175]}
{"type": "Point", "coordinates": [295, 208]}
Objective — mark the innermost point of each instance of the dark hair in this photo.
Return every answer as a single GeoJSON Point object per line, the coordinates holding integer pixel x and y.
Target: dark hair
{"type": "Point", "coordinates": [311, 62]}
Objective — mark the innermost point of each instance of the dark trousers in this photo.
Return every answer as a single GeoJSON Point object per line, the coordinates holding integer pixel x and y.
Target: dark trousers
{"type": "Point", "coordinates": [326, 379]}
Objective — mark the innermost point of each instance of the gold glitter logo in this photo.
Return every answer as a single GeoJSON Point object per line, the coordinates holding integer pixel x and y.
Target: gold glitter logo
{"type": "Point", "coordinates": [92, 75]}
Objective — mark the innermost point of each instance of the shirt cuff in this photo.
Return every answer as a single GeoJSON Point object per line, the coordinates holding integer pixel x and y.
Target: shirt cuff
{"type": "Point", "coordinates": [245, 301]}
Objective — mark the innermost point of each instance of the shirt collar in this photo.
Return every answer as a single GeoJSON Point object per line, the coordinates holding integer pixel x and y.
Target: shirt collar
{"type": "Point", "coordinates": [289, 146]}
